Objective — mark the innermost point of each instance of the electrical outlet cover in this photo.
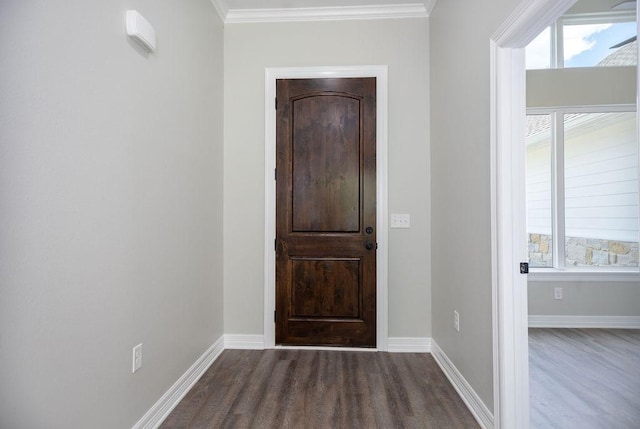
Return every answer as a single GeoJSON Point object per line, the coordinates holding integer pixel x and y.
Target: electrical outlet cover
{"type": "Point", "coordinates": [137, 358]}
{"type": "Point", "coordinates": [557, 293]}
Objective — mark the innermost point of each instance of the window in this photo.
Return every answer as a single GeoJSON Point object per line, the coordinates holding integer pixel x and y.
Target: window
{"type": "Point", "coordinates": [539, 191]}
{"type": "Point", "coordinates": [586, 40]}
{"type": "Point", "coordinates": [582, 189]}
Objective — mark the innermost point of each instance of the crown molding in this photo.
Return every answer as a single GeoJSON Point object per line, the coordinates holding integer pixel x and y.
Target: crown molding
{"type": "Point", "coordinates": [339, 13]}
{"type": "Point", "coordinates": [429, 5]}
{"type": "Point", "coordinates": [221, 8]}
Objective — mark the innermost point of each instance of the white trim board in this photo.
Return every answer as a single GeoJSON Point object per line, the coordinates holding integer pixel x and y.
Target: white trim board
{"type": "Point", "coordinates": [380, 72]}
{"type": "Point", "coordinates": [508, 247]}
{"type": "Point", "coordinates": [221, 9]}
{"type": "Point", "coordinates": [172, 397]}
{"type": "Point", "coordinates": [243, 342]}
{"type": "Point", "coordinates": [328, 348]}
{"type": "Point", "coordinates": [429, 5]}
{"type": "Point", "coordinates": [471, 399]}
{"type": "Point", "coordinates": [409, 345]}
{"type": "Point", "coordinates": [603, 322]}
{"type": "Point", "coordinates": [544, 275]}
{"type": "Point", "coordinates": [394, 344]}
{"type": "Point", "coordinates": [336, 13]}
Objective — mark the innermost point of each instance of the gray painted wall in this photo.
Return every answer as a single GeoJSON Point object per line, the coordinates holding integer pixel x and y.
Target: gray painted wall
{"type": "Point", "coordinates": [460, 184]}
{"type": "Point", "coordinates": [111, 221]}
{"type": "Point", "coordinates": [585, 299]}
{"type": "Point", "coordinates": [402, 44]}
{"type": "Point", "coordinates": [581, 86]}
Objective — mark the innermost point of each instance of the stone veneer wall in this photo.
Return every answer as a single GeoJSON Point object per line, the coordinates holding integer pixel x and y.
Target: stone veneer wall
{"type": "Point", "coordinates": [584, 252]}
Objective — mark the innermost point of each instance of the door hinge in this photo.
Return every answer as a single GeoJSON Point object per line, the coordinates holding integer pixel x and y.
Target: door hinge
{"type": "Point", "coordinates": [376, 246]}
{"type": "Point", "coordinates": [275, 244]}
{"type": "Point", "coordinates": [524, 268]}
{"type": "Point", "coordinates": [275, 319]}
{"type": "Point", "coordinates": [275, 174]}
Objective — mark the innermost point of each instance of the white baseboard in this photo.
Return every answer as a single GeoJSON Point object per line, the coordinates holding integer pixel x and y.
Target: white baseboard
{"type": "Point", "coordinates": [245, 342]}
{"type": "Point", "coordinates": [161, 409]}
{"type": "Point", "coordinates": [409, 345]}
{"type": "Point", "coordinates": [469, 396]}
{"type": "Point", "coordinates": [395, 344]}
{"type": "Point", "coordinates": [610, 322]}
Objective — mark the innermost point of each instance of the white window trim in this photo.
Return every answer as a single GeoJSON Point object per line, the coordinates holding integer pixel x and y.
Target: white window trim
{"type": "Point", "coordinates": [559, 271]}
{"type": "Point", "coordinates": [557, 46]}
{"type": "Point", "coordinates": [614, 16]}
{"type": "Point", "coordinates": [557, 49]}
{"type": "Point", "coordinates": [591, 276]}
{"type": "Point", "coordinates": [557, 190]}
{"type": "Point", "coordinates": [556, 30]}
{"type": "Point", "coordinates": [595, 108]}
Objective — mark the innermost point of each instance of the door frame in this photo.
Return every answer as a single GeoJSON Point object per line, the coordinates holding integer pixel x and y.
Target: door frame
{"type": "Point", "coordinates": [508, 210]}
{"type": "Point", "coordinates": [382, 257]}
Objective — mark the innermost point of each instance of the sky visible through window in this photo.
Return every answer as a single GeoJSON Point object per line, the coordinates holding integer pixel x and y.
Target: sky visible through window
{"type": "Point", "coordinates": [584, 45]}
{"type": "Point", "coordinates": [587, 45]}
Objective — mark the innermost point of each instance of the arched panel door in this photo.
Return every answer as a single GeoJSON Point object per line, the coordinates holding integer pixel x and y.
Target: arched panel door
{"type": "Point", "coordinates": [326, 212]}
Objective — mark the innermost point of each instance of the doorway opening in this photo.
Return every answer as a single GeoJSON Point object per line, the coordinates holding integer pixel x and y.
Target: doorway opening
{"type": "Point", "coordinates": [582, 216]}
{"type": "Point", "coordinates": [508, 238]}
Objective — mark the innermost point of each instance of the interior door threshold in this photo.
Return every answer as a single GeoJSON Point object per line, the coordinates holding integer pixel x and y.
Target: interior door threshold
{"type": "Point", "coordinates": [337, 348]}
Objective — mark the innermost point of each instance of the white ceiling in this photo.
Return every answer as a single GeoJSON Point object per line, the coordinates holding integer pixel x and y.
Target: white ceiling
{"type": "Point", "coordinates": [282, 4]}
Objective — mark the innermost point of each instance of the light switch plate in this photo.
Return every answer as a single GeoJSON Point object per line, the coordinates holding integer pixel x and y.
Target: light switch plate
{"type": "Point", "coordinates": [400, 220]}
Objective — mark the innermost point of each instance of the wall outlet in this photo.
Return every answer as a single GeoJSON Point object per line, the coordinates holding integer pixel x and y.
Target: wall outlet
{"type": "Point", "coordinates": [557, 293]}
{"type": "Point", "coordinates": [456, 320]}
{"type": "Point", "coordinates": [137, 358]}
{"type": "Point", "coordinates": [400, 220]}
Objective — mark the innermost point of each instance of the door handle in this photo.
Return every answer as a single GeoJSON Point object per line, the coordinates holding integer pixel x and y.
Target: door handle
{"type": "Point", "coordinates": [369, 246]}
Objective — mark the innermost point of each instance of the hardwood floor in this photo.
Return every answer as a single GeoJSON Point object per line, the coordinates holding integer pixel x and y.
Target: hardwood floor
{"type": "Point", "coordinates": [584, 378]}
{"type": "Point", "coordinates": [321, 389]}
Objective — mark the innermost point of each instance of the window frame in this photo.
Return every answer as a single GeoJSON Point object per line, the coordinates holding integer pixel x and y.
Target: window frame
{"type": "Point", "coordinates": [559, 270]}
{"type": "Point", "coordinates": [556, 38]}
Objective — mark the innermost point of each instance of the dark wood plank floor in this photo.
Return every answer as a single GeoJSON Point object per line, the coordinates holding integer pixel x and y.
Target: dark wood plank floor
{"type": "Point", "coordinates": [321, 389]}
{"type": "Point", "coordinates": [584, 378]}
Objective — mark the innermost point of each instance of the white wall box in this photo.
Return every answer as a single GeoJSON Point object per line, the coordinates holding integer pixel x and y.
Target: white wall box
{"type": "Point", "coordinates": [140, 30]}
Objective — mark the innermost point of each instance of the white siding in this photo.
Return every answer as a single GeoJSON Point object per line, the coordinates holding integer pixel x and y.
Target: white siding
{"type": "Point", "coordinates": [601, 177]}
{"type": "Point", "coordinates": [539, 176]}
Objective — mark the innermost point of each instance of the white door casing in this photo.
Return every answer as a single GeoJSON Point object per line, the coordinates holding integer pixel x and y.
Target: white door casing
{"type": "Point", "coordinates": [508, 216]}
{"type": "Point", "coordinates": [380, 73]}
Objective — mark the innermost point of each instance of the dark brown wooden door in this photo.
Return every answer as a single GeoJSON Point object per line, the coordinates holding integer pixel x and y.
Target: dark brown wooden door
{"type": "Point", "coordinates": [326, 212]}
